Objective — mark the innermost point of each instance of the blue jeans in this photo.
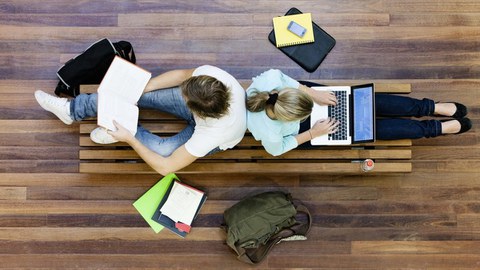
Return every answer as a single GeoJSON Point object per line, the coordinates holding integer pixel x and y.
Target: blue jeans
{"type": "Point", "coordinates": [166, 100]}
{"type": "Point", "coordinates": [389, 110]}
{"type": "Point", "coordinates": [390, 127]}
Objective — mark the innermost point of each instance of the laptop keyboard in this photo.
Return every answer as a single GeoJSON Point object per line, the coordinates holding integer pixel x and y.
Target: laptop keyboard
{"type": "Point", "coordinates": [339, 112]}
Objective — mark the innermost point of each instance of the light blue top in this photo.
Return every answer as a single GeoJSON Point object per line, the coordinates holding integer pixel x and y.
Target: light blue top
{"type": "Point", "coordinates": [277, 137]}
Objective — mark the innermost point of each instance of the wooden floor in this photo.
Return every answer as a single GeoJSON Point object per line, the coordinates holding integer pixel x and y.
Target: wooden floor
{"type": "Point", "coordinates": [53, 217]}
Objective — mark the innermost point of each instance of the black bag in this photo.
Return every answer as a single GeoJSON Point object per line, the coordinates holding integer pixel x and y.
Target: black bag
{"type": "Point", "coordinates": [310, 55]}
{"type": "Point", "coordinates": [255, 224]}
{"type": "Point", "coordinates": [90, 66]}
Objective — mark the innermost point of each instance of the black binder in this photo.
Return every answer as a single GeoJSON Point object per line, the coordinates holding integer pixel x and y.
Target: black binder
{"type": "Point", "coordinates": [309, 56]}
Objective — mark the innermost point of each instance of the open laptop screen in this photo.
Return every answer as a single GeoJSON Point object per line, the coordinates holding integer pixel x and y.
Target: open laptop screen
{"type": "Point", "coordinates": [364, 113]}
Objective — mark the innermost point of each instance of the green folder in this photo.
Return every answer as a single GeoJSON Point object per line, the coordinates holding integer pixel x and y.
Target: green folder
{"type": "Point", "coordinates": [148, 202]}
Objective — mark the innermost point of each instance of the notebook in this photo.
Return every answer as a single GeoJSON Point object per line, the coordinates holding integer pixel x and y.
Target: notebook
{"type": "Point", "coordinates": [179, 207]}
{"type": "Point", "coordinates": [355, 110]}
{"type": "Point", "coordinates": [147, 204]}
{"type": "Point", "coordinates": [286, 38]}
{"type": "Point", "coordinates": [310, 55]}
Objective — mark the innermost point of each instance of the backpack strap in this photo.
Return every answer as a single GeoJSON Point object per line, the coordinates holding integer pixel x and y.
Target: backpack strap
{"type": "Point", "coordinates": [125, 50]}
{"type": "Point", "coordinates": [256, 255]}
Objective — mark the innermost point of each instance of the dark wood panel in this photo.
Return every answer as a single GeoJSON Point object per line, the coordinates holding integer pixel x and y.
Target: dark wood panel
{"type": "Point", "coordinates": [443, 261]}
{"type": "Point", "coordinates": [415, 247]}
{"type": "Point", "coordinates": [53, 217]}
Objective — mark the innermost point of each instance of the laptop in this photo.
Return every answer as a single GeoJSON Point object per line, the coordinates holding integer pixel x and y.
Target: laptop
{"type": "Point", "coordinates": [355, 110]}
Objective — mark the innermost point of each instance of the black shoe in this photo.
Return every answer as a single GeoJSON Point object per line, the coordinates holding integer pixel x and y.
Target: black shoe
{"type": "Point", "coordinates": [465, 125]}
{"type": "Point", "coordinates": [460, 112]}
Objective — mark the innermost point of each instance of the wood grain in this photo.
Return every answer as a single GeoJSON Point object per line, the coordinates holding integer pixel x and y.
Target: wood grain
{"type": "Point", "coordinates": [53, 217]}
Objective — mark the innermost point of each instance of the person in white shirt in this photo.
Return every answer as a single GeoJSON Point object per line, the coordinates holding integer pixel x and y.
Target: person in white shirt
{"type": "Point", "coordinates": [208, 98]}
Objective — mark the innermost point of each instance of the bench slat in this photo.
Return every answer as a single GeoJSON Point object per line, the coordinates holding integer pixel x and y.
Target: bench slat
{"type": "Point", "coordinates": [172, 128]}
{"type": "Point", "coordinates": [380, 86]}
{"type": "Point", "coordinates": [237, 167]}
{"type": "Point", "coordinates": [248, 141]}
{"type": "Point", "coordinates": [262, 154]}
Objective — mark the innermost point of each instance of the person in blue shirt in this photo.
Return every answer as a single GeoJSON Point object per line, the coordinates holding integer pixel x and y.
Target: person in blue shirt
{"type": "Point", "coordinates": [278, 104]}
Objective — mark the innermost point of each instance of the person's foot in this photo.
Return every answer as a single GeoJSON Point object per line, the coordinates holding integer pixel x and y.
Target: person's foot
{"type": "Point", "coordinates": [452, 109]}
{"type": "Point", "coordinates": [456, 126]}
{"type": "Point", "coordinates": [101, 136]}
{"type": "Point", "coordinates": [58, 106]}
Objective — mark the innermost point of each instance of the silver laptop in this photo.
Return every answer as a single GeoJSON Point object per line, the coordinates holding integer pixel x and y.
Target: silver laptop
{"type": "Point", "coordinates": [355, 110]}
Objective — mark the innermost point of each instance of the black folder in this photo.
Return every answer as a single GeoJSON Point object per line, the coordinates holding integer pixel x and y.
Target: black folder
{"type": "Point", "coordinates": [309, 56]}
{"type": "Point", "coordinates": [166, 221]}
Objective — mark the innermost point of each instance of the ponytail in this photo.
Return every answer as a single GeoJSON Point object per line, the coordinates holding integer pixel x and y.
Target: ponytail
{"type": "Point", "coordinates": [290, 105]}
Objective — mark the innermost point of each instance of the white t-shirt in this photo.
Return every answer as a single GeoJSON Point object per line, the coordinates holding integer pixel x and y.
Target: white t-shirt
{"type": "Point", "coordinates": [226, 131]}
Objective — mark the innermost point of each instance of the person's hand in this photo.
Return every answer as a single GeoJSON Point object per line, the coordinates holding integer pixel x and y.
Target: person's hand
{"type": "Point", "coordinates": [323, 97]}
{"type": "Point", "coordinates": [121, 134]}
{"type": "Point", "coordinates": [324, 126]}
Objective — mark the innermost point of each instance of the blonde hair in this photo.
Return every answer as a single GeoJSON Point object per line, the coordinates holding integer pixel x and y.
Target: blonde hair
{"type": "Point", "coordinates": [291, 104]}
{"type": "Point", "coordinates": [206, 96]}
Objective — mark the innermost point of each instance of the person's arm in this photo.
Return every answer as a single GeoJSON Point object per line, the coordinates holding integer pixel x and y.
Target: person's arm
{"type": "Point", "coordinates": [276, 148]}
{"type": "Point", "coordinates": [320, 97]}
{"type": "Point", "coordinates": [168, 79]}
{"type": "Point", "coordinates": [321, 127]}
{"type": "Point", "coordinates": [304, 137]}
{"type": "Point", "coordinates": [163, 165]}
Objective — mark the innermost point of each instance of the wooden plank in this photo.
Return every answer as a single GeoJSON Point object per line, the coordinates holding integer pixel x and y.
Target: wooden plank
{"type": "Point", "coordinates": [415, 247]}
{"type": "Point", "coordinates": [262, 154]}
{"type": "Point", "coordinates": [363, 261]}
{"type": "Point", "coordinates": [250, 141]}
{"type": "Point", "coordinates": [27, 208]}
{"type": "Point", "coordinates": [238, 19]}
{"type": "Point", "coordinates": [171, 128]}
{"type": "Point", "coordinates": [469, 221]}
{"type": "Point", "coordinates": [13, 193]}
{"type": "Point", "coordinates": [264, 167]}
{"type": "Point", "coordinates": [382, 87]}
{"type": "Point", "coordinates": [31, 126]}
{"type": "Point", "coordinates": [53, 234]}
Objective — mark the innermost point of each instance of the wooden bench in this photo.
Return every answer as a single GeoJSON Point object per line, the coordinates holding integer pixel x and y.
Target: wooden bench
{"type": "Point", "coordinates": [248, 156]}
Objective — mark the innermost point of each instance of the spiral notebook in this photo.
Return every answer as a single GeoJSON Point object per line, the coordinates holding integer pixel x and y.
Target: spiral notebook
{"type": "Point", "coordinates": [286, 38]}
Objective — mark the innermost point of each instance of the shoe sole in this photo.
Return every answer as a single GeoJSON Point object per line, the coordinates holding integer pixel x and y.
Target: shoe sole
{"type": "Point", "coordinates": [92, 137]}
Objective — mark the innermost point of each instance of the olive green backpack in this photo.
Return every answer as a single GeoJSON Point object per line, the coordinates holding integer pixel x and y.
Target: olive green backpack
{"type": "Point", "coordinates": [255, 224]}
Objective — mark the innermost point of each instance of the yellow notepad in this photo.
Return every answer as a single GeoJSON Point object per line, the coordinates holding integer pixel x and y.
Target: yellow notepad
{"type": "Point", "coordinates": [284, 37]}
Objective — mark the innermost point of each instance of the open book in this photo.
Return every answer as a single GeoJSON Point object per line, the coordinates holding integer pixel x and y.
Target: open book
{"type": "Point", "coordinates": [118, 94]}
{"type": "Point", "coordinates": [179, 207]}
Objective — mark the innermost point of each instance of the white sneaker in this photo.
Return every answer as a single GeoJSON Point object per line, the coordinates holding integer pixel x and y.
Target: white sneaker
{"type": "Point", "coordinates": [58, 106]}
{"type": "Point", "coordinates": [101, 136]}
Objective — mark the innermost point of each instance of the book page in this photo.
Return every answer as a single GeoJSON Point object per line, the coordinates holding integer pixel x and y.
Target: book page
{"type": "Point", "coordinates": [115, 108]}
{"type": "Point", "coordinates": [182, 203]}
{"type": "Point", "coordinates": [118, 94]}
{"type": "Point", "coordinates": [124, 79]}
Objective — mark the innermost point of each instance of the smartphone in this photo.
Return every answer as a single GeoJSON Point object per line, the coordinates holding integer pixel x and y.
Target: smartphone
{"type": "Point", "coordinates": [296, 28]}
